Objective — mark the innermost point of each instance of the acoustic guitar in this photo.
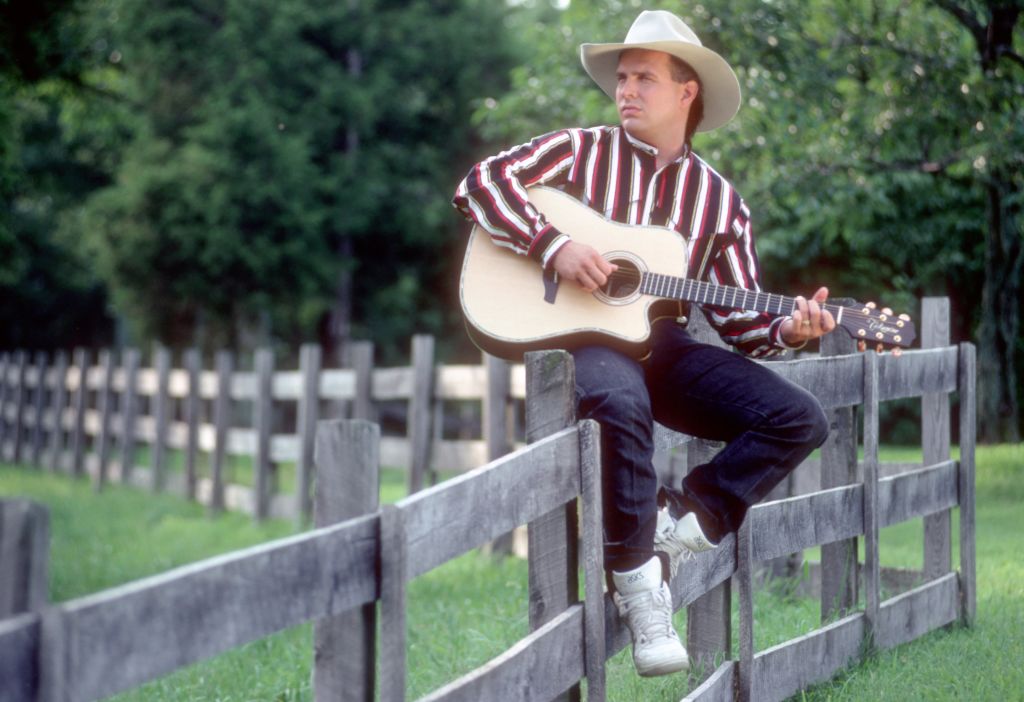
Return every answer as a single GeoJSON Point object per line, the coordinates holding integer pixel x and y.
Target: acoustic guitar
{"type": "Point", "coordinates": [512, 306]}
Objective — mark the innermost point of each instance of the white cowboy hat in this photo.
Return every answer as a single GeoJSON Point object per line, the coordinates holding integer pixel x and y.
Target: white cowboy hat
{"type": "Point", "coordinates": [662, 31]}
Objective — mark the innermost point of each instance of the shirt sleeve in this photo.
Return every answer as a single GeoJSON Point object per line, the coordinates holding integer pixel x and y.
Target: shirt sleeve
{"type": "Point", "coordinates": [493, 194]}
{"type": "Point", "coordinates": [755, 334]}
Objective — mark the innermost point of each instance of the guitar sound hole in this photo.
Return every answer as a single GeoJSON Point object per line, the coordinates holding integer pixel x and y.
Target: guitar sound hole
{"type": "Point", "coordinates": [623, 282]}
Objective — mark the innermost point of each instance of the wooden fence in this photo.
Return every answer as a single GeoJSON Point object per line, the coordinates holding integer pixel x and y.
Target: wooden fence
{"type": "Point", "coordinates": [101, 644]}
{"type": "Point", "coordinates": [52, 419]}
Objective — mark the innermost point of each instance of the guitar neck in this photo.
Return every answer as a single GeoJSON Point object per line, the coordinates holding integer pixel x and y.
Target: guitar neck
{"type": "Point", "coordinates": [701, 292]}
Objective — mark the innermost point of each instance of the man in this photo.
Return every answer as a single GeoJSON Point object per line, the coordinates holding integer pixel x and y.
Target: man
{"type": "Point", "coordinates": [666, 85]}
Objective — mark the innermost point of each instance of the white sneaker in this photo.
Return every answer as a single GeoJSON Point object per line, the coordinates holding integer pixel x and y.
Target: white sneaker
{"type": "Point", "coordinates": [644, 602]}
{"type": "Point", "coordinates": [679, 539]}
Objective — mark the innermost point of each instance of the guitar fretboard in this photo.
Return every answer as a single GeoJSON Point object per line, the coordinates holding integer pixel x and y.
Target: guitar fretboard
{"type": "Point", "coordinates": [701, 292]}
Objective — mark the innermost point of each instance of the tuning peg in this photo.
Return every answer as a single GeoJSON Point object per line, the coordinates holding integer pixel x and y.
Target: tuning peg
{"type": "Point", "coordinates": [862, 346]}
{"type": "Point", "coordinates": [871, 305]}
{"type": "Point", "coordinates": [886, 311]}
{"type": "Point", "coordinates": [905, 317]}
{"type": "Point", "coordinates": [897, 352]}
{"type": "Point", "coordinates": [880, 349]}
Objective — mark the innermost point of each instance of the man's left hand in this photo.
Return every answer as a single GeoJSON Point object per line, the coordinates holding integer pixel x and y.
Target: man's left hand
{"type": "Point", "coordinates": [809, 320]}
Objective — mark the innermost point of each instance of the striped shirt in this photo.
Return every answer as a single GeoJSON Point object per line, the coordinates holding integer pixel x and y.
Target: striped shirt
{"type": "Point", "coordinates": [616, 175]}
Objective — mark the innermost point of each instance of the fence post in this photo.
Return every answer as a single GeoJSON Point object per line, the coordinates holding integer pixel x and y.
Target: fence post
{"type": "Point", "coordinates": [308, 415]}
{"type": "Point", "coordinates": [5, 365]}
{"type": "Point", "coordinates": [81, 363]}
{"type": "Point", "coordinates": [393, 559]}
{"type": "Point", "coordinates": [592, 557]}
{"type": "Point", "coordinates": [130, 359]}
{"type": "Point", "coordinates": [21, 374]}
{"type": "Point", "coordinates": [24, 556]}
{"type": "Point", "coordinates": [496, 430]}
{"type": "Point", "coordinates": [161, 412]}
{"type": "Point", "coordinates": [104, 405]}
{"type": "Point", "coordinates": [745, 578]}
{"type": "Point", "coordinates": [838, 468]}
{"type": "Point", "coordinates": [222, 422]}
{"type": "Point", "coordinates": [58, 398]}
{"type": "Point", "coordinates": [709, 617]}
{"type": "Point", "coordinates": [552, 538]}
{"type": "Point", "coordinates": [872, 571]}
{"type": "Point", "coordinates": [362, 363]}
{"type": "Point", "coordinates": [935, 440]}
{"type": "Point", "coordinates": [193, 367]}
{"type": "Point", "coordinates": [263, 425]}
{"type": "Point", "coordinates": [420, 407]}
{"type": "Point", "coordinates": [38, 409]}
{"type": "Point", "coordinates": [347, 458]}
{"type": "Point", "coordinates": [968, 429]}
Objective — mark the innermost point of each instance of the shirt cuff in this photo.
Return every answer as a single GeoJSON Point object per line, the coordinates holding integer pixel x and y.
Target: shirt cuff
{"type": "Point", "coordinates": [546, 244]}
{"type": "Point", "coordinates": [775, 334]}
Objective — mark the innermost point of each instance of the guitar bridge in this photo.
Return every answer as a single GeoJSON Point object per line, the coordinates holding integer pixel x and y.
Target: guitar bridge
{"type": "Point", "coordinates": [550, 286]}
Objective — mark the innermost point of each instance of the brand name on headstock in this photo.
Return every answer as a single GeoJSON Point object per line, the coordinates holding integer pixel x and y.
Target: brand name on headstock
{"type": "Point", "coordinates": [877, 326]}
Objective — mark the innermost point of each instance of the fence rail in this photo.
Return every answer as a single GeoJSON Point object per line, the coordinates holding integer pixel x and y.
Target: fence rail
{"type": "Point", "coordinates": [92, 415]}
{"type": "Point", "coordinates": [103, 643]}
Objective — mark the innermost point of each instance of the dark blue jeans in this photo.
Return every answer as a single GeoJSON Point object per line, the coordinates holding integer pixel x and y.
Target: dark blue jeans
{"type": "Point", "coordinates": [770, 425]}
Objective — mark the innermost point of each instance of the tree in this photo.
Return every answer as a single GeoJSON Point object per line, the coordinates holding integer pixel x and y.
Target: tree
{"type": "Point", "coordinates": [240, 186]}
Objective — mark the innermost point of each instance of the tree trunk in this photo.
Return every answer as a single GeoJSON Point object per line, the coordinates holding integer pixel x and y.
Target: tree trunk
{"type": "Point", "coordinates": [998, 406]}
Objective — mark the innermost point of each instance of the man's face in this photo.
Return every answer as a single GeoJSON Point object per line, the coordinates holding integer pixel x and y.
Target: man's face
{"type": "Point", "coordinates": [652, 106]}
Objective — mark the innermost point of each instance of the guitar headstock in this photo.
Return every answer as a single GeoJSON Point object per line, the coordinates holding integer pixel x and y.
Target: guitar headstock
{"type": "Point", "coordinates": [877, 328]}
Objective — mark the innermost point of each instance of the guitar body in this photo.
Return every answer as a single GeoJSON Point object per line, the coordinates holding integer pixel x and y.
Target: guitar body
{"type": "Point", "coordinates": [511, 306]}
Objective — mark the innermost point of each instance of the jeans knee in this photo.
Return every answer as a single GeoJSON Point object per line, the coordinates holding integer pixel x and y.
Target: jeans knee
{"type": "Point", "coordinates": [816, 423]}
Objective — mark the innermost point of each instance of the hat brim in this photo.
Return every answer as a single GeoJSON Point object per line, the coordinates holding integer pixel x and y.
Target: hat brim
{"type": "Point", "coordinates": [720, 85]}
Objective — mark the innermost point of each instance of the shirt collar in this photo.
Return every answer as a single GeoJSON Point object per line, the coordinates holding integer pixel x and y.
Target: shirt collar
{"type": "Point", "coordinates": [648, 149]}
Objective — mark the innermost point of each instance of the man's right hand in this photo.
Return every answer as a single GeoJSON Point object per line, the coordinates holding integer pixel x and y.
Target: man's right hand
{"type": "Point", "coordinates": [582, 264]}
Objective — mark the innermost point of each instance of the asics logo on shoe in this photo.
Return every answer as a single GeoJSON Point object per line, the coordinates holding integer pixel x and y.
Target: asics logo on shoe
{"type": "Point", "coordinates": [635, 578]}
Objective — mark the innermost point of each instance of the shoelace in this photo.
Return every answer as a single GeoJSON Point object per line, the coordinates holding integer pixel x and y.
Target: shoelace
{"type": "Point", "coordinates": [658, 622]}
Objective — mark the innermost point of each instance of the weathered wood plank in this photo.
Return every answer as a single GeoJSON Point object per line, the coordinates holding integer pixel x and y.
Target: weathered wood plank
{"type": "Point", "coordinates": [592, 558]}
{"type": "Point", "coordinates": [872, 581]}
{"type": "Point", "coordinates": [797, 523]}
{"type": "Point", "coordinates": [461, 382]}
{"type": "Point", "coordinates": [392, 383]}
{"type": "Point", "coordinates": [78, 437]}
{"type": "Point", "coordinates": [834, 380]}
{"type": "Point", "coordinates": [225, 362]}
{"type": "Point", "coordinates": [205, 608]}
{"type": "Point", "coordinates": [917, 493]}
{"type": "Point", "coordinates": [420, 403]}
{"type": "Point", "coordinates": [38, 408]}
{"type": "Point", "coordinates": [709, 616]}
{"type": "Point", "coordinates": [915, 613]}
{"type": "Point", "coordinates": [104, 402]}
{"type": "Point", "coordinates": [968, 431]}
{"type": "Point", "coordinates": [935, 439]}
{"type": "Point", "coordinates": [531, 482]}
{"type": "Point", "coordinates": [719, 687]}
{"type": "Point", "coordinates": [193, 368]}
{"type": "Point", "coordinates": [362, 366]}
{"type": "Point", "coordinates": [130, 358]}
{"type": "Point", "coordinates": [161, 415]}
{"type": "Point", "coordinates": [394, 549]}
{"type": "Point", "coordinates": [537, 668]}
{"type": "Point", "coordinates": [552, 538]}
{"type": "Point", "coordinates": [839, 468]}
{"type": "Point", "coordinates": [58, 400]}
{"type": "Point", "coordinates": [784, 670]}
{"type": "Point", "coordinates": [24, 556]}
{"type": "Point", "coordinates": [744, 579]}
{"type": "Point", "coordinates": [263, 428]}
{"type": "Point", "coordinates": [19, 668]}
{"type": "Point", "coordinates": [310, 361]}
{"type": "Point", "coordinates": [916, 372]}
{"type": "Point", "coordinates": [337, 384]}
{"type": "Point", "coordinates": [20, 403]}
{"type": "Point", "coordinates": [347, 486]}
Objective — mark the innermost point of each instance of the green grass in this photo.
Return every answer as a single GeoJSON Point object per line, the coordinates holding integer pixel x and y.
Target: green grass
{"type": "Point", "coordinates": [471, 609]}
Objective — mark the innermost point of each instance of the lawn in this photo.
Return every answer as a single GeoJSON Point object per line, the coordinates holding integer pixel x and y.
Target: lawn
{"type": "Point", "coordinates": [466, 612]}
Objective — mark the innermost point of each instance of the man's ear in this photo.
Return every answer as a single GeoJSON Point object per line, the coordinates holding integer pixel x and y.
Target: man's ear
{"type": "Point", "coordinates": [690, 90]}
